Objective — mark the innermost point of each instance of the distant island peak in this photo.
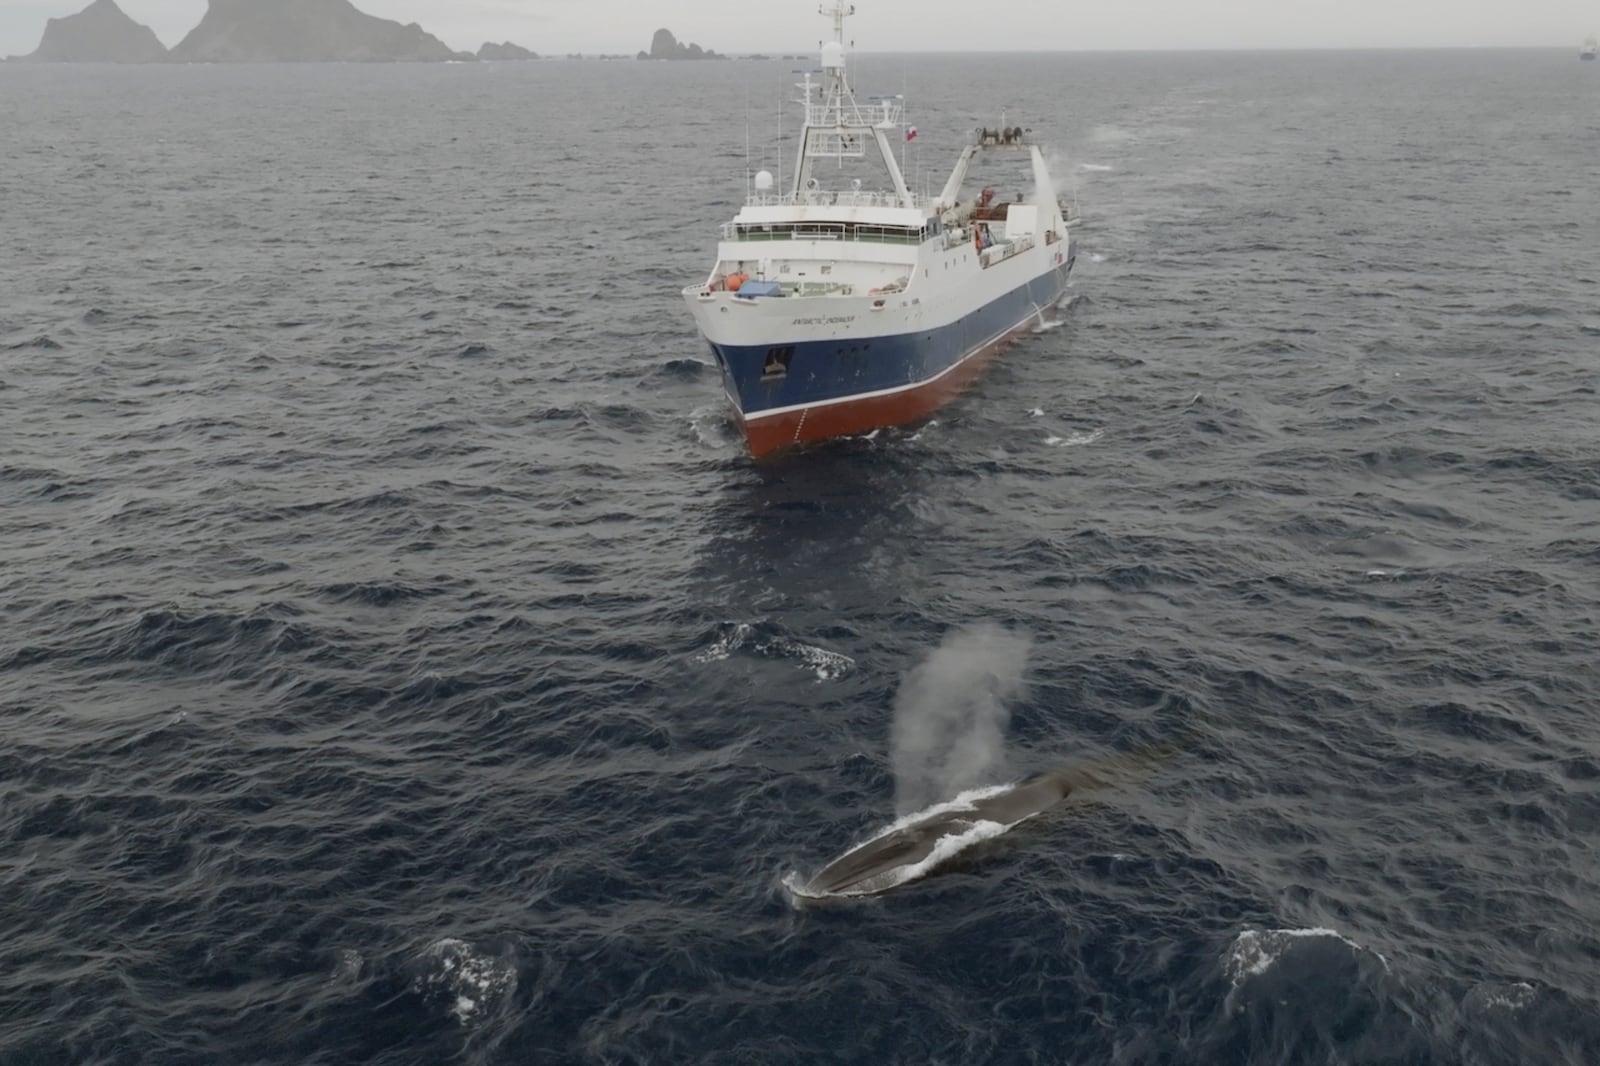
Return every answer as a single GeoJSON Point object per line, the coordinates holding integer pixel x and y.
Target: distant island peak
{"type": "Point", "coordinates": [504, 51]}
{"type": "Point", "coordinates": [254, 31]}
{"type": "Point", "coordinates": [665, 46]}
{"type": "Point", "coordinates": [100, 33]}
{"type": "Point", "coordinates": [284, 31]}
{"type": "Point", "coordinates": [300, 31]}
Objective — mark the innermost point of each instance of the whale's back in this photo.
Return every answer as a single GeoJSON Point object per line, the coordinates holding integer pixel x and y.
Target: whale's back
{"type": "Point", "coordinates": [910, 851]}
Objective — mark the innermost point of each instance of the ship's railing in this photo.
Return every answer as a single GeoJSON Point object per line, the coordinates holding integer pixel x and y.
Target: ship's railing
{"type": "Point", "coordinates": [885, 113]}
{"type": "Point", "coordinates": [823, 231]}
{"type": "Point", "coordinates": [829, 198]}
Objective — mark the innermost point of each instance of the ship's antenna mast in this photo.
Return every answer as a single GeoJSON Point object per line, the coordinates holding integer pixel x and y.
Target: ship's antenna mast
{"type": "Point", "coordinates": [840, 11]}
{"type": "Point", "coordinates": [838, 85]}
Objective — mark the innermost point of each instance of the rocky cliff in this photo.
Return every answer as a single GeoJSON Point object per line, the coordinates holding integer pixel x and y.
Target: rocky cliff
{"type": "Point", "coordinates": [665, 46]}
{"type": "Point", "coordinates": [101, 33]}
{"type": "Point", "coordinates": [506, 51]}
{"type": "Point", "coordinates": [305, 31]}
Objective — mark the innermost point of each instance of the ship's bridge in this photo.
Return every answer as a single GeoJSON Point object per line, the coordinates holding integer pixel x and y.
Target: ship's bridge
{"type": "Point", "coordinates": [826, 215]}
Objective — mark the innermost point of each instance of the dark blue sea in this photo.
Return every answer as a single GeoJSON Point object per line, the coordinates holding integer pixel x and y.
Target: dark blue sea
{"type": "Point", "coordinates": [402, 662]}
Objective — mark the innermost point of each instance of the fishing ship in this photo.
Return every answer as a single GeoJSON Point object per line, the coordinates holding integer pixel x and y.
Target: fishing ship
{"type": "Point", "coordinates": [1591, 47]}
{"type": "Point", "coordinates": [833, 309]}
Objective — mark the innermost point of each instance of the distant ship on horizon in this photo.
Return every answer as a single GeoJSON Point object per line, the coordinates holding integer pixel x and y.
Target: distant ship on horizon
{"type": "Point", "coordinates": [1590, 48]}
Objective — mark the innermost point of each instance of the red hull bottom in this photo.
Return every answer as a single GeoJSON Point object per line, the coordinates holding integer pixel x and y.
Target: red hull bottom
{"type": "Point", "coordinates": [846, 418]}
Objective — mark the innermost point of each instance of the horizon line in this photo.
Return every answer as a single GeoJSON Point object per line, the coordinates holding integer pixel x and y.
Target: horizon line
{"type": "Point", "coordinates": [780, 54]}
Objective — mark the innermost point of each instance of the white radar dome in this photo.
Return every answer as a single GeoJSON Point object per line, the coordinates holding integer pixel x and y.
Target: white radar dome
{"type": "Point", "coordinates": [833, 56]}
{"type": "Point", "coordinates": [764, 181]}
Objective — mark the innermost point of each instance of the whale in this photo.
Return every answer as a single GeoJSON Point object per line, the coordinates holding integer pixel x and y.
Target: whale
{"type": "Point", "coordinates": [921, 843]}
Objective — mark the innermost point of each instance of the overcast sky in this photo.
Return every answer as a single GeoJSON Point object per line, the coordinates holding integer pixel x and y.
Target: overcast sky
{"type": "Point", "coordinates": [559, 26]}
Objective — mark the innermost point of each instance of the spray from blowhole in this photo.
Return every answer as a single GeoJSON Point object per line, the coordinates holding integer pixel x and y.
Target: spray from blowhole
{"type": "Point", "coordinates": [951, 713]}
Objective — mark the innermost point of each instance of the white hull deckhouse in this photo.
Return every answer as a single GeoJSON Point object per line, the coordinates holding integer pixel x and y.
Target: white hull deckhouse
{"type": "Point", "coordinates": [833, 311]}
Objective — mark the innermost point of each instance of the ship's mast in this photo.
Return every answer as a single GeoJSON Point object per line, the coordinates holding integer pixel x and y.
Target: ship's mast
{"type": "Point", "coordinates": [838, 86]}
{"type": "Point", "coordinates": [836, 126]}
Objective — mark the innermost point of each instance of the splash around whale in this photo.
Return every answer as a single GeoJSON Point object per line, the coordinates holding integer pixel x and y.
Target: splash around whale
{"type": "Point", "coordinates": [920, 843]}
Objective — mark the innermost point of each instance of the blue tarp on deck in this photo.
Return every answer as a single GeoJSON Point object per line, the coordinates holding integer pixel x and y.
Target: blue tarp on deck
{"type": "Point", "coordinates": [751, 289]}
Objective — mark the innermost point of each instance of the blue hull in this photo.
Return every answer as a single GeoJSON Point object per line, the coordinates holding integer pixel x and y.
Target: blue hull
{"type": "Point", "coordinates": [840, 369]}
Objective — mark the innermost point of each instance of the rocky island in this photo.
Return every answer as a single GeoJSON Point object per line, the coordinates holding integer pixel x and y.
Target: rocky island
{"type": "Point", "coordinates": [665, 46]}
{"type": "Point", "coordinates": [255, 31]}
{"type": "Point", "coordinates": [100, 33]}
{"type": "Point", "coordinates": [506, 51]}
{"type": "Point", "coordinates": [305, 31]}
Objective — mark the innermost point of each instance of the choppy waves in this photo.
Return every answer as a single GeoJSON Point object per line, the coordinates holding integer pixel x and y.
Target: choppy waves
{"type": "Point", "coordinates": [401, 661]}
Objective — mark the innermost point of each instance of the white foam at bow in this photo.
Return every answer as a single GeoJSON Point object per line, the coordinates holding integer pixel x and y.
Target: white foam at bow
{"type": "Point", "coordinates": [712, 428]}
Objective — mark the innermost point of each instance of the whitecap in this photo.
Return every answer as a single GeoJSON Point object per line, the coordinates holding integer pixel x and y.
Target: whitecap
{"type": "Point", "coordinates": [1075, 439]}
{"type": "Point", "coordinates": [1096, 257]}
{"type": "Point", "coordinates": [465, 979]}
{"type": "Point", "coordinates": [347, 966]}
{"type": "Point", "coordinates": [1512, 997]}
{"type": "Point", "coordinates": [731, 640]}
{"type": "Point", "coordinates": [1096, 167]}
{"type": "Point", "coordinates": [1037, 412]}
{"type": "Point", "coordinates": [1255, 951]}
{"type": "Point", "coordinates": [828, 665]}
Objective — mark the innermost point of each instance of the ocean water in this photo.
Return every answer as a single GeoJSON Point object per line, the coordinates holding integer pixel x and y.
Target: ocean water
{"type": "Point", "coordinates": [400, 661]}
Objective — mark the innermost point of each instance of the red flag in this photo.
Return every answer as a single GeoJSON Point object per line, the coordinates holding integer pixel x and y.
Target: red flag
{"type": "Point", "coordinates": [911, 134]}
